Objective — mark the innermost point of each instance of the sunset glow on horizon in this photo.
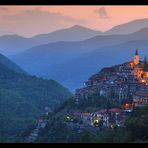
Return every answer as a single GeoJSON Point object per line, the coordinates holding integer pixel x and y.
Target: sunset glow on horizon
{"type": "Point", "coordinates": [32, 20]}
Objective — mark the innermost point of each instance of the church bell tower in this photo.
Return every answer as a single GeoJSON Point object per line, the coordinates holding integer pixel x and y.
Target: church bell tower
{"type": "Point", "coordinates": [136, 58]}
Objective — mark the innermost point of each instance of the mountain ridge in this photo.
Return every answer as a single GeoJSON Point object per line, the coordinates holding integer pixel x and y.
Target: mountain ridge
{"type": "Point", "coordinates": [45, 63]}
{"type": "Point", "coordinates": [128, 27]}
{"type": "Point", "coordinates": [12, 66]}
{"type": "Point", "coordinates": [13, 44]}
{"type": "Point", "coordinates": [74, 33]}
{"type": "Point", "coordinates": [23, 99]}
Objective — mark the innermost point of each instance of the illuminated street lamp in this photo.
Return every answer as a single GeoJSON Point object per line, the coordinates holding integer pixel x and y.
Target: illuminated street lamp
{"type": "Point", "coordinates": [68, 117]}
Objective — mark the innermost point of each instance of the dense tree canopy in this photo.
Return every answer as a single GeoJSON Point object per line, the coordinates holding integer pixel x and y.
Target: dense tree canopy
{"type": "Point", "coordinates": [23, 99]}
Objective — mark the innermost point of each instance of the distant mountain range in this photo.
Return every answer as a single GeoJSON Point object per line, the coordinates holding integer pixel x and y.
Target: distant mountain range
{"type": "Point", "coordinates": [74, 33]}
{"type": "Point", "coordinates": [13, 44]}
{"type": "Point", "coordinates": [71, 62]}
{"type": "Point", "coordinates": [78, 33]}
{"type": "Point", "coordinates": [128, 27]}
{"type": "Point", "coordinates": [69, 46]}
{"type": "Point", "coordinates": [23, 99]}
{"type": "Point", "coordinates": [68, 56]}
{"type": "Point", "coordinates": [6, 33]}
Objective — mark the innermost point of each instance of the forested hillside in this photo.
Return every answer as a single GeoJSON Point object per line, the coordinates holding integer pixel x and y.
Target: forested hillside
{"type": "Point", "coordinates": [23, 98]}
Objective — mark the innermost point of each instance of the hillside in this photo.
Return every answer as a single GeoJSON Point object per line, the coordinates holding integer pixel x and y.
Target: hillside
{"type": "Point", "coordinates": [9, 64]}
{"type": "Point", "coordinates": [23, 98]}
{"type": "Point", "coordinates": [134, 129]}
{"type": "Point", "coordinates": [74, 33]}
{"type": "Point", "coordinates": [56, 131]}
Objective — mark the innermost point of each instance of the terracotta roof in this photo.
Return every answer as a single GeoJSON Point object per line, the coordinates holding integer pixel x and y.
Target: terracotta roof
{"type": "Point", "coordinates": [86, 114]}
{"type": "Point", "coordinates": [142, 93]}
{"type": "Point", "coordinates": [115, 110]}
{"type": "Point", "coordinates": [101, 111]}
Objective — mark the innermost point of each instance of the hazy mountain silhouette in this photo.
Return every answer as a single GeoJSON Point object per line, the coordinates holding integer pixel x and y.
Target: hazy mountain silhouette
{"type": "Point", "coordinates": [13, 44]}
{"type": "Point", "coordinates": [129, 27]}
{"type": "Point", "coordinates": [74, 33]}
{"type": "Point", "coordinates": [9, 64]}
{"type": "Point", "coordinates": [57, 60]}
{"type": "Point", "coordinates": [6, 33]}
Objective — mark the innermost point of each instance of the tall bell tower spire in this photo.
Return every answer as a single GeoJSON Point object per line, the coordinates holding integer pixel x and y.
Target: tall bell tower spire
{"type": "Point", "coordinates": [136, 57]}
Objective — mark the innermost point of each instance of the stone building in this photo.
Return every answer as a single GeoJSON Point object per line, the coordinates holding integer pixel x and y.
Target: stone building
{"type": "Point", "coordinates": [118, 83]}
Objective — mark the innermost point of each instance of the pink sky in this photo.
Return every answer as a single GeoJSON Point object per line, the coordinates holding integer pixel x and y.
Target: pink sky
{"type": "Point", "coordinates": [31, 20]}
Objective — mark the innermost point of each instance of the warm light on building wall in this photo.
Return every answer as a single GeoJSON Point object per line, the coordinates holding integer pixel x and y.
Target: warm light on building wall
{"type": "Point", "coordinates": [132, 65]}
{"type": "Point", "coordinates": [146, 74]}
{"type": "Point", "coordinates": [127, 106]}
{"type": "Point", "coordinates": [143, 81]}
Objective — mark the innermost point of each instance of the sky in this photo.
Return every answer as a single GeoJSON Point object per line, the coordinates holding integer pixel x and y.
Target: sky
{"type": "Point", "coordinates": [30, 20]}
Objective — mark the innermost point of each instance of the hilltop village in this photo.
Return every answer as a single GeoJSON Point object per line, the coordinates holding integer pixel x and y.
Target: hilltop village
{"type": "Point", "coordinates": [127, 81]}
{"type": "Point", "coordinates": [125, 84]}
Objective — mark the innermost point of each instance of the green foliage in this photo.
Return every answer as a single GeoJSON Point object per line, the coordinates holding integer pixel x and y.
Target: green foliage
{"type": "Point", "coordinates": [26, 132]}
{"type": "Point", "coordinates": [68, 103]}
{"type": "Point", "coordinates": [56, 132]}
{"type": "Point", "coordinates": [9, 64]}
{"type": "Point", "coordinates": [138, 124]}
{"type": "Point", "coordinates": [95, 101]}
{"type": "Point", "coordinates": [23, 99]}
{"type": "Point", "coordinates": [86, 137]}
{"type": "Point", "coordinates": [134, 131]}
{"type": "Point", "coordinates": [117, 135]}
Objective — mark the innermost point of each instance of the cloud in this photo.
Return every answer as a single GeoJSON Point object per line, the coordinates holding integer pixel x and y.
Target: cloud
{"type": "Point", "coordinates": [36, 21]}
{"type": "Point", "coordinates": [38, 14]}
{"type": "Point", "coordinates": [102, 13]}
{"type": "Point", "coordinates": [3, 9]}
